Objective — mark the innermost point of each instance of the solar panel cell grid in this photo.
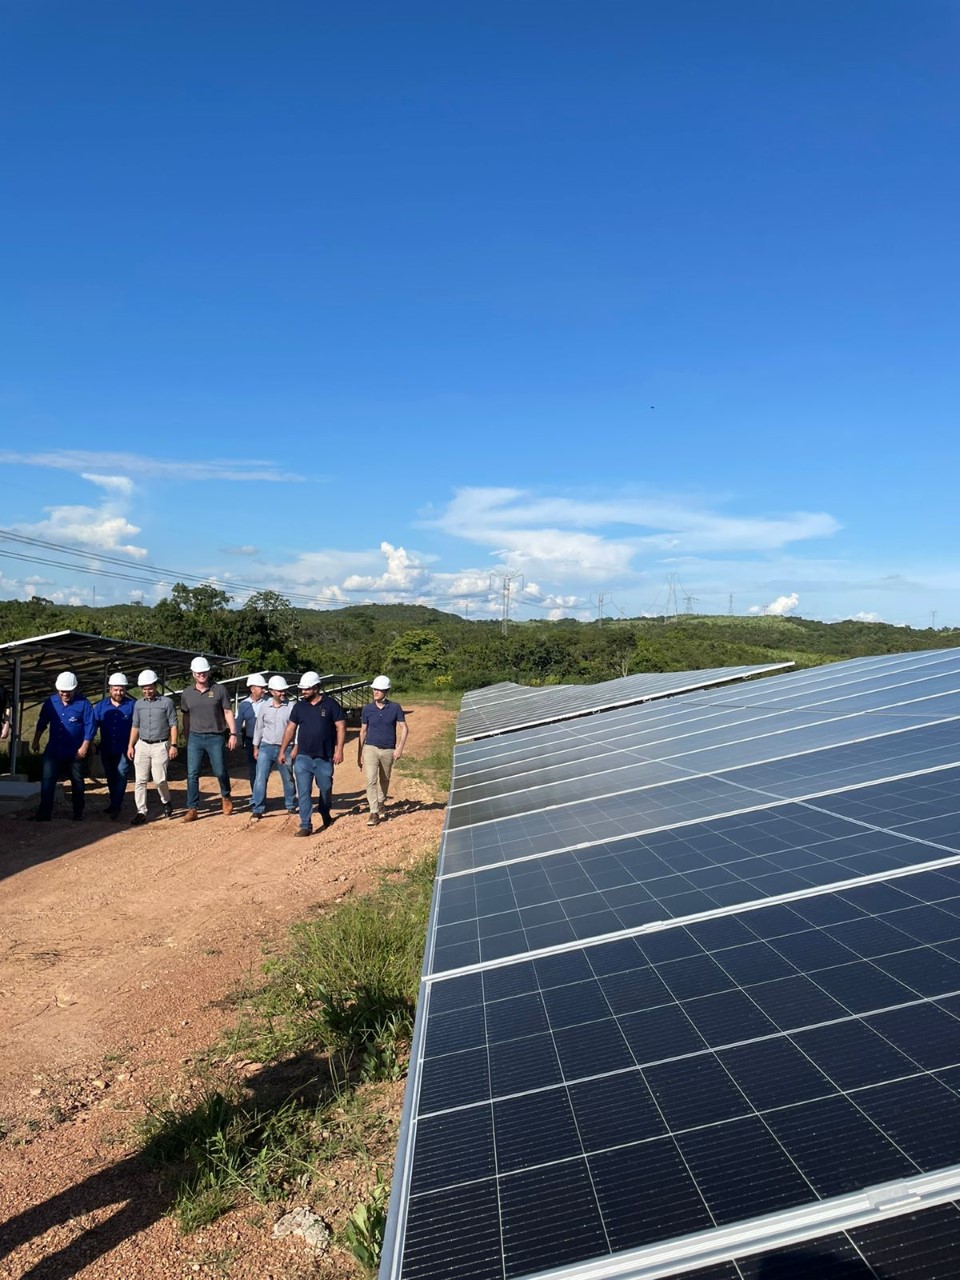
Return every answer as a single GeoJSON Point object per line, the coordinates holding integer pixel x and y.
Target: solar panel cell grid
{"type": "Point", "coordinates": [680, 1079]}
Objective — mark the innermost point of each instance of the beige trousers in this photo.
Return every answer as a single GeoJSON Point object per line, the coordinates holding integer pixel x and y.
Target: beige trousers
{"type": "Point", "coordinates": [150, 758]}
{"type": "Point", "coordinates": [377, 767]}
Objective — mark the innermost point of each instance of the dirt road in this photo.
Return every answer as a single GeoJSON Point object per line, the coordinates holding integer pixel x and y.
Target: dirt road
{"type": "Point", "coordinates": [119, 950]}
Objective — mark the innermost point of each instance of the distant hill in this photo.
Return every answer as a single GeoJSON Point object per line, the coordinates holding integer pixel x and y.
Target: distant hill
{"type": "Point", "coordinates": [427, 648]}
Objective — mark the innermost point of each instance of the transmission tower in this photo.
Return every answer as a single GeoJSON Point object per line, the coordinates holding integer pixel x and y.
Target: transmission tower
{"type": "Point", "coordinates": [689, 601]}
{"type": "Point", "coordinates": [503, 582]}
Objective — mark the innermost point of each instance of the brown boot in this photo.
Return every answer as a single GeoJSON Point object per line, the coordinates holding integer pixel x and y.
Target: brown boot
{"type": "Point", "coordinates": [190, 815]}
{"type": "Point", "coordinates": [227, 804]}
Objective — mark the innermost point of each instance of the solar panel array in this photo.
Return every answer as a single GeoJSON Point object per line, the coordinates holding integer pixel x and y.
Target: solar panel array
{"type": "Point", "coordinates": [506, 707]}
{"type": "Point", "coordinates": [691, 998]}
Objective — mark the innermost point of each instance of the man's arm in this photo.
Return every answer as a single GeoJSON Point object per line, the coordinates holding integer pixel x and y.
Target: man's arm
{"type": "Point", "coordinates": [288, 733]}
{"type": "Point", "coordinates": [42, 722]}
{"type": "Point", "coordinates": [341, 728]}
{"type": "Point", "coordinates": [89, 729]}
{"type": "Point", "coordinates": [229, 717]}
{"type": "Point", "coordinates": [361, 740]}
{"type": "Point", "coordinates": [401, 738]}
{"type": "Point", "coordinates": [172, 726]}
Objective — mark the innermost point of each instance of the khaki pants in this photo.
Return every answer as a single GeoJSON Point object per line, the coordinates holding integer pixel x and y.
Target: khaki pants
{"type": "Point", "coordinates": [150, 758]}
{"type": "Point", "coordinates": [377, 766]}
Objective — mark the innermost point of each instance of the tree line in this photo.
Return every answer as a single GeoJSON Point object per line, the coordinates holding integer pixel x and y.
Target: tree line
{"type": "Point", "coordinates": [424, 648]}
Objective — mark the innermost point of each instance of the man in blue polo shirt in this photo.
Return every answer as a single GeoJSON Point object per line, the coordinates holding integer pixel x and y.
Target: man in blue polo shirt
{"type": "Point", "coordinates": [113, 715]}
{"type": "Point", "coordinates": [320, 726]}
{"type": "Point", "coordinates": [383, 732]}
{"type": "Point", "coordinates": [72, 725]}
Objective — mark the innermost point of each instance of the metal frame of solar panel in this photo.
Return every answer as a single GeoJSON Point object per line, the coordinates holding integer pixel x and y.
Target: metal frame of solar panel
{"type": "Point", "coordinates": [506, 708]}
{"type": "Point", "coordinates": [703, 1025]}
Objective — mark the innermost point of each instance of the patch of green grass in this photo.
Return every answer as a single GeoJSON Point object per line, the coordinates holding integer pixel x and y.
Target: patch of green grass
{"type": "Point", "coordinates": [335, 1011]}
{"type": "Point", "coordinates": [224, 1146]}
{"type": "Point", "coordinates": [435, 765]}
{"type": "Point", "coordinates": [348, 980]}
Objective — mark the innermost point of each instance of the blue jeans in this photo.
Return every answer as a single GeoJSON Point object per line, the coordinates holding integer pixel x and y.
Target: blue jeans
{"type": "Point", "coordinates": [251, 763]}
{"type": "Point", "coordinates": [211, 746]}
{"type": "Point", "coordinates": [267, 760]}
{"type": "Point", "coordinates": [116, 768]}
{"type": "Point", "coordinates": [308, 769]}
{"type": "Point", "coordinates": [53, 770]}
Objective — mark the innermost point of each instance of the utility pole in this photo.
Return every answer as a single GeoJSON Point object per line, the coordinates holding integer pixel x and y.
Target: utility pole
{"type": "Point", "coordinates": [730, 605]}
{"type": "Point", "coordinates": [672, 596]}
{"type": "Point", "coordinates": [600, 599]}
{"type": "Point", "coordinates": [503, 582]}
{"type": "Point", "coordinates": [689, 601]}
{"type": "Point", "coordinates": [933, 619]}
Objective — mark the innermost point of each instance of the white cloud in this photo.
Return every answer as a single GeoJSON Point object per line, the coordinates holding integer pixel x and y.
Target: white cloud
{"type": "Point", "coordinates": [100, 528]}
{"type": "Point", "coordinates": [864, 617]}
{"type": "Point", "coordinates": [139, 465]}
{"type": "Point", "coordinates": [778, 608]}
{"type": "Point", "coordinates": [113, 484]}
{"type": "Point", "coordinates": [490, 516]}
{"type": "Point", "coordinates": [240, 551]}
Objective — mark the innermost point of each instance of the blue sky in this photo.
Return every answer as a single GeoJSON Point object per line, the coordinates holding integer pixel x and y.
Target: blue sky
{"type": "Point", "coordinates": [372, 301]}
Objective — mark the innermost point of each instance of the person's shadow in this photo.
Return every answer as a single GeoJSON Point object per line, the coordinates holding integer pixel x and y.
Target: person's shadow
{"type": "Point", "coordinates": [144, 1186]}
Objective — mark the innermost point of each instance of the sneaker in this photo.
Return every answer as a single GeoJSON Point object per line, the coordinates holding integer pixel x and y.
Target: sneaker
{"type": "Point", "coordinates": [109, 810]}
{"type": "Point", "coordinates": [167, 809]}
{"type": "Point", "coordinates": [326, 820]}
{"type": "Point", "coordinates": [138, 820]}
{"type": "Point", "coordinates": [304, 831]}
{"type": "Point", "coordinates": [293, 812]}
{"type": "Point", "coordinates": [255, 817]}
{"type": "Point", "coordinates": [373, 820]}
{"type": "Point", "coordinates": [77, 817]}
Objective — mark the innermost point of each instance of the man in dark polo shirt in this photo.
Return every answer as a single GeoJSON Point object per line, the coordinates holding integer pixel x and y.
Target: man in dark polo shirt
{"type": "Point", "coordinates": [383, 731]}
{"type": "Point", "coordinates": [207, 714]}
{"type": "Point", "coordinates": [320, 726]}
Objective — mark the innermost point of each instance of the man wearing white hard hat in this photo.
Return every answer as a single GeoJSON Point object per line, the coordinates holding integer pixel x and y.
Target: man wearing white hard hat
{"type": "Point", "coordinates": [113, 715]}
{"type": "Point", "coordinates": [383, 732]}
{"type": "Point", "coordinates": [248, 713]}
{"type": "Point", "coordinates": [321, 727]}
{"type": "Point", "coordinates": [267, 738]}
{"type": "Point", "coordinates": [71, 722]}
{"type": "Point", "coordinates": [153, 743]}
{"type": "Point", "coordinates": [207, 715]}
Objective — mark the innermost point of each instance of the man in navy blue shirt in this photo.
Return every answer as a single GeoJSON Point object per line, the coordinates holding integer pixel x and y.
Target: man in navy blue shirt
{"type": "Point", "coordinates": [383, 732]}
{"type": "Point", "coordinates": [113, 716]}
{"type": "Point", "coordinates": [72, 725]}
{"type": "Point", "coordinates": [320, 726]}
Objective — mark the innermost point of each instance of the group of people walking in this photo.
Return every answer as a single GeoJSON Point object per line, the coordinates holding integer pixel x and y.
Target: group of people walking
{"type": "Point", "coordinates": [303, 739]}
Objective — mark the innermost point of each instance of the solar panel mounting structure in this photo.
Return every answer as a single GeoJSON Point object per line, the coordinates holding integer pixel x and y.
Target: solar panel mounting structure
{"type": "Point", "coordinates": [691, 994]}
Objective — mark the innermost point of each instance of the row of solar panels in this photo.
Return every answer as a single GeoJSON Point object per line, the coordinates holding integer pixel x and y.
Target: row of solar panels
{"type": "Point", "coordinates": [691, 999]}
{"type": "Point", "coordinates": [505, 707]}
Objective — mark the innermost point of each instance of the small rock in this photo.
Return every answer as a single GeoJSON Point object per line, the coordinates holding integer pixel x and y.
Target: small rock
{"type": "Point", "coordinates": [99, 1084]}
{"type": "Point", "coordinates": [303, 1222]}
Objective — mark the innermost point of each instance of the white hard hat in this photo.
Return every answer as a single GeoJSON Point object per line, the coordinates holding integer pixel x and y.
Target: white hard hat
{"type": "Point", "coordinates": [146, 677]}
{"type": "Point", "coordinates": [277, 683]}
{"type": "Point", "coordinates": [118, 678]}
{"type": "Point", "coordinates": [309, 679]}
{"type": "Point", "coordinates": [258, 680]}
{"type": "Point", "coordinates": [199, 664]}
{"type": "Point", "coordinates": [380, 682]}
{"type": "Point", "coordinates": [66, 682]}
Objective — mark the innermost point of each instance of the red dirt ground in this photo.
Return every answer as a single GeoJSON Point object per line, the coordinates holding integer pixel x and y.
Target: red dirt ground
{"type": "Point", "coordinates": [119, 950]}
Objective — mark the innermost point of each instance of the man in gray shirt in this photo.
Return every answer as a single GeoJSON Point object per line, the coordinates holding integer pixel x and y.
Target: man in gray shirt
{"type": "Point", "coordinates": [153, 741]}
{"type": "Point", "coordinates": [206, 715]}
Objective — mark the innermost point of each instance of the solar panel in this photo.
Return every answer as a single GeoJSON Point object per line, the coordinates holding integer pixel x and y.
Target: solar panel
{"type": "Point", "coordinates": [706, 1023]}
{"type": "Point", "coordinates": [512, 707]}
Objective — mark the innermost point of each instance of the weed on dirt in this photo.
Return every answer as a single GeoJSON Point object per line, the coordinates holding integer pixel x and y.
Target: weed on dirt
{"type": "Point", "coordinates": [296, 1090]}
